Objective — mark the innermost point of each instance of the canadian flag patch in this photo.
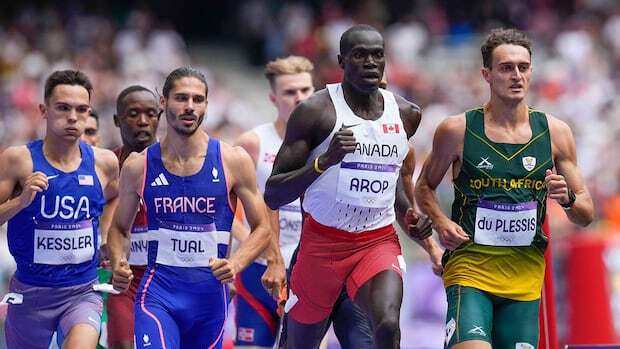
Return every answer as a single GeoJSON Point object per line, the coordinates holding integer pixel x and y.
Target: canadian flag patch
{"type": "Point", "coordinates": [245, 334]}
{"type": "Point", "coordinates": [391, 128]}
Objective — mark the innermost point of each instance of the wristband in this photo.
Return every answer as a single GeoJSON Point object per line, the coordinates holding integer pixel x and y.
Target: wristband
{"type": "Point", "coordinates": [316, 166]}
{"type": "Point", "coordinates": [571, 200]}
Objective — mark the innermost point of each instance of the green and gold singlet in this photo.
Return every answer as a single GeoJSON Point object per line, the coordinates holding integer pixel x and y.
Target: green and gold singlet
{"type": "Point", "coordinates": [500, 201]}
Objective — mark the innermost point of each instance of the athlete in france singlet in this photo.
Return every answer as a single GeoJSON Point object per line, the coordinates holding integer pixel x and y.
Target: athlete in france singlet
{"type": "Point", "coordinates": [180, 304]}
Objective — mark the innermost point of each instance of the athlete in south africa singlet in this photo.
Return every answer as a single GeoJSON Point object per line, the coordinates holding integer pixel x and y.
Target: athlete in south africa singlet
{"type": "Point", "coordinates": [180, 304]}
{"type": "Point", "coordinates": [54, 243]}
{"type": "Point", "coordinates": [500, 202]}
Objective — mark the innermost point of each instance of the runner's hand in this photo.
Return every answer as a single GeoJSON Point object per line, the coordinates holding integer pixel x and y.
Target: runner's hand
{"type": "Point", "coordinates": [451, 235]}
{"type": "Point", "coordinates": [273, 278]}
{"type": "Point", "coordinates": [121, 275]}
{"type": "Point", "coordinates": [34, 183]}
{"type": "Point", "coordinates": [419, 226]}
{"type": "Point", "coordinates": [223, 269]}
{"type": "Point", "coordinates": [557, 189]}
{"type": "Point", "coordinates": [342, 143]}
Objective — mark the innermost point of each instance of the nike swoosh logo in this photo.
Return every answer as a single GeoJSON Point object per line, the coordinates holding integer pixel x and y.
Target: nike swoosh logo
{"type": "Point", "coordinates": [349, 126]}
{"type": "Point", "coordinates": [52, 177]}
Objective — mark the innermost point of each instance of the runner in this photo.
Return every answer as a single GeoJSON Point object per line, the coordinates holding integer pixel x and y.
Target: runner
{"type": "Point", "coordinates": [507, 159]}
{"type": "Point", "coordinates": [91, 130]}
{"type": "Point", "coordinates": [189, 183]}
{"type": "Point", "coordinates": [137, 117]}
{"type": "Point", "coordinates": [53, 196]}
{"type": "Point", "coordinates": [343, 149]}
{"type": "Point", "coordinates": [256, 316]}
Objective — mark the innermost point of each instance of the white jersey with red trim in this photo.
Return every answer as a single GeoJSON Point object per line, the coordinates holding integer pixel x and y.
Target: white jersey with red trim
{"type": "Point", "coordinates": [358, 193]}
{"type": "Point", "coordinates": [290, 214]}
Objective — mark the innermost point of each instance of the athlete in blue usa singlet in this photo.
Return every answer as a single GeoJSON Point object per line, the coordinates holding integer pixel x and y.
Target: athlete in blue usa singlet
{"type": "Point", "coordinates": [189, 183]}
{"type": "Point", "coordinates": [52, 193]}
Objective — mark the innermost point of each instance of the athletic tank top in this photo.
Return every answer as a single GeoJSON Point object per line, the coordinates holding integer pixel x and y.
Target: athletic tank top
{"type": "Point", "coordinates": [138, 249]}
{"type": "Point", "coordinates": [189, 218]}
{"type": "Point", "coordinates": [54, 239]}
{"type": "Point", "coordinates": [290, 214]}
{"type": "Point", "coordinates": [358, 194]}
{"type": "Point", "coordinates": [500, 201]}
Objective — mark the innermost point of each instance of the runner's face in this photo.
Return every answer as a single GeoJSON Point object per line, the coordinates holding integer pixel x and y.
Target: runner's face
{"type": "Point", "coordinates": [91, 131]}
{"type": "Point", "coordinates": [510, 72]}
{"type": "Point", "coordinates": [363, 65]}
{"type": "Point", "coordinates": [186, 105]}
{"type": "Point", "coordinates": [66, 111]}
{"type": "Point", "coordinates": [290, 90]}
{"type": "Point", "coordinates": [138, 120]}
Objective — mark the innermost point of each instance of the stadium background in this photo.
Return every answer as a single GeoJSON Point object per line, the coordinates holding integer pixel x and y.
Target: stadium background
{"type": "Point", "coordinates": [432, 50]}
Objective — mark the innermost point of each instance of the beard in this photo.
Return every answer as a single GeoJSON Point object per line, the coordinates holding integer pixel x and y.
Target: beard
{"type": "Point", "coordinates": [181, 129]}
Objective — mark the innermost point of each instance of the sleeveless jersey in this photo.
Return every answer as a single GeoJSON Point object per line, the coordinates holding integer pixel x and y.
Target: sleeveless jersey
{"type": "Point", "coordinates": [54, 239]}
{"type": "Point", "coordinates": [189, 217]}
{"type": "Point", "coordinates": [500, 201]}
{"type": "Point", "coordinates": [138, 249]}
{"type": "Point", "coordinates": [290, 214]}
{"type": "Point", "coordinates": [358, 194]}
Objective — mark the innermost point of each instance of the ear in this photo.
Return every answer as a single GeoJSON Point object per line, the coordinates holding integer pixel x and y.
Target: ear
{"type": "Point", "coordinates": [162, 102]}
{"type": "Point", "coordinates": [486, 74]}
{"type": "Point", "coordinates": [116, 123]}
{"type": "Point", "coordinates": [43, 110]}
{"type": "Point", "coordinates": [341, 61]}
{"type": "Point", "coordinates": [272, 98]}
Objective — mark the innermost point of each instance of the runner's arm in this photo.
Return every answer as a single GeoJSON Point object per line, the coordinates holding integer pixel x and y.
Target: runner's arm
{"type": "Point", "coordinates": [129, 191]}
{"type": "Point", "coordinates": [447, 148]}
{"type": "Point", "coordinates": [107, 161]}
{"type": "Point", "coordinates": [291, 174]}
{"type": "Point", "coordinates": [14, 166]}
{"type": "Point", "coordinates": [565, 158]}
{"type": "Point", "coordinates": [244, 187]}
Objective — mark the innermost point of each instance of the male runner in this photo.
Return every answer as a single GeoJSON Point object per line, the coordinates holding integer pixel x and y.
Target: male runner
{"type": "Point", "coordinates": [343, 150]}
{"type": "Point", "coordinates": [52, 195]}
{"type": "Point", "coordinates": [506, 160]}
{"type": "Point", "coordinates": [137, 117]}
{"type": "Point", "coordinates": [91, 130]}
{"type": "Point", "coordinates": [189, 183]}
{"type": "Point", "coordinates": [256, 314]}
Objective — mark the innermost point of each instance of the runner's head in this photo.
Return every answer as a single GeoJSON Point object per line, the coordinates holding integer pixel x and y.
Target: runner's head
{"type": "Point", "coordinates": [66, 104]}
{"type": "Point", "coordinates": [362, 57]}
{"type": "Point", "coordinates": [185, 100]}
{"type": "Point", "coordinates": [91, 130]}
{"type": "Point", "coordinates": [290, 79]}
{"type": "Point", "coordinates": [507, 64]}
{"type": "Point", "coordinates": [137, 117]}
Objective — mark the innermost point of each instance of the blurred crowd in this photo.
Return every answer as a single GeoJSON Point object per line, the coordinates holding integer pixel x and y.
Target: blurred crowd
{"type": "Point", "coordinates": [432, 49]}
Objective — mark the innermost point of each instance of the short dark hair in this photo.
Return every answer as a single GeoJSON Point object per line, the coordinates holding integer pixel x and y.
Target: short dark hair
{"type": "Point", "coordinates": [180, 73]}
{"type": "Point", "coordinates": [129, 90]}
{"type": "Point", "coordinates": [503, 36]}
{"type": "Point", "coordinates": [93, 113]}
{"type": "Point", "coordinates": [346, 40]}
{"type": "Point", "coordinates": [67, 77]}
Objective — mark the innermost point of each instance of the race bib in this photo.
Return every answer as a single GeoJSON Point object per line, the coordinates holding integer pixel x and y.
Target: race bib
{"type": "Point", "coordinates": [367, 184]}
{"type": "Point", "coordinates": [504, 224]}
{"type": "Point", "coordinates": [290, 223]}
{"type": "Point", "coordinates": [139, 245]}
{"type": "Point", "coordinates": [186, 245]}
{"type": "Point", "coordinates": [64, 243]}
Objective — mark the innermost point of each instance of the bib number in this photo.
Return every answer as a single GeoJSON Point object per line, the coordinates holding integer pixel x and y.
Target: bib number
{"type": "Point", "coordinates": [139, 246]}
{"type": "Point", "coordinates": [505, 224]}
{"type": "Point", "coordinates": [186, 245]}
{"type": "Point", "coordinates": [367, 184]}
{"type": "Point", "coordinates": [64, 243]}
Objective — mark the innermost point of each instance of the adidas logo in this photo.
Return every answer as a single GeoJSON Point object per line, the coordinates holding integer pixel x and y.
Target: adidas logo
{"type": "Point", "coordinates": [485, 164]}
{"type": "Point", "coordinates": [160, 180]}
